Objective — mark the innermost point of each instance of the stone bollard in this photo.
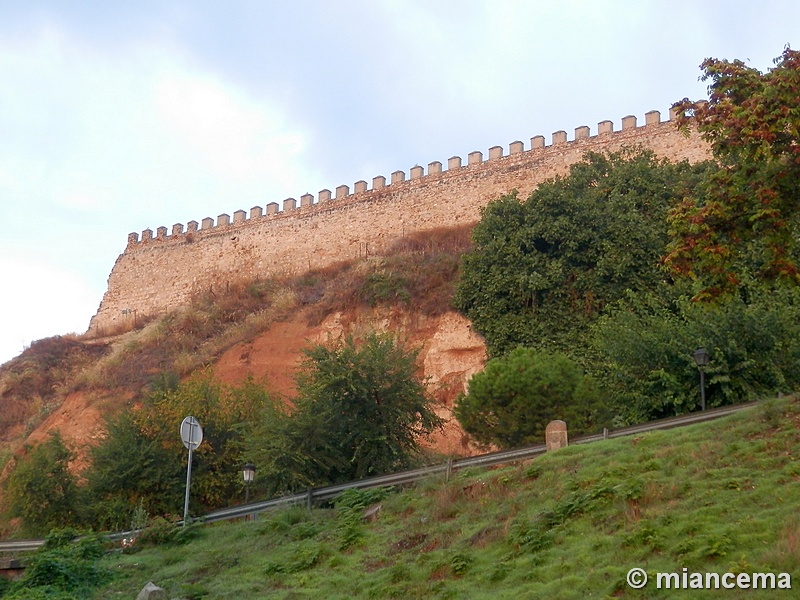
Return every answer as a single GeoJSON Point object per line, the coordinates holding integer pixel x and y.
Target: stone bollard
{"type": "Point", "coordinates": [151, 592]}
{"type": "Point", "coordinates": [555, 435]}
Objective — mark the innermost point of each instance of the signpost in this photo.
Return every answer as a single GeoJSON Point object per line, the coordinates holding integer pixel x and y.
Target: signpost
{"type": "Point", "coordinates": [192, 435]}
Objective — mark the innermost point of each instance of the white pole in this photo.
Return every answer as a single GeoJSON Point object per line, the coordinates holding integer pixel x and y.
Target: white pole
{"type": "Point", "coordinates": [188, 475]}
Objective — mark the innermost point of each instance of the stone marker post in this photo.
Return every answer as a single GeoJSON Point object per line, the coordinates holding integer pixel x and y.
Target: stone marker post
{"type": "Point", "coordinates": [555, 435]}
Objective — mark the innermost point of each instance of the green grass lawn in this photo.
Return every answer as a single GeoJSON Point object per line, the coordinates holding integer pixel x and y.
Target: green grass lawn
{"type": "Point", "coordinates": [721, 497]}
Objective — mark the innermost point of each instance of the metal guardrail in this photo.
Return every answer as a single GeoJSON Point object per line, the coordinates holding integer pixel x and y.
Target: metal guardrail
{"type": "Point", "coordinates": [406, 477]}
{"type": "Point", "coordinates": [20, 546]}
{"type": "Point", "coordinates": [482, 460]}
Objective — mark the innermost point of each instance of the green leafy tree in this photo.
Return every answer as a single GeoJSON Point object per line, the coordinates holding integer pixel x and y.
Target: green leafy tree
{"type": "Point", "coordinates": [226, 414]}
{"type": "Point", "coordinates": [142, 460]}
{"type": "Point", "coordinates": [747, 219]}
{"type": "Point", "coordinates": [644, 345]}
{"type": "Point", "coordinates": [41, 490]}
{"type": "Point", "coordinates": [511, 401]}
{"type": "Point", "coordinates": [371, 402]}
{"type": "Point", "coordinates": [293, 452]}
{"type": "Point", "coordinates": [361, 411]}
{"type": "Point", "coordinates": [542, 270]}
{"type": "Point", "coordinates": [129, 468]}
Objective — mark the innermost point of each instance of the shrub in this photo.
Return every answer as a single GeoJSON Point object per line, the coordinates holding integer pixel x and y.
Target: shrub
{"type": "Point", "coordinates": [62, 569]}
{"type": "Point", "coordinates": [41, 490]}
{"type": "Point", "coordinates": [361, 411]}
{"type": "Point", "coordinates": [513, 399]}
{"type": "Point", "coordinates": [644, 348]}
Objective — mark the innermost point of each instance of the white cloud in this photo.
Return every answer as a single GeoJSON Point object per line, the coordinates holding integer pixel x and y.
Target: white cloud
{"type": "Point", "coordinates": [39, 301]}
{"type": "Point", "coordinates": [222, 129]}
{"type": "Point", "coordinates": [139, 131]}
{"type": "Point", "coordinates": [96, 144]}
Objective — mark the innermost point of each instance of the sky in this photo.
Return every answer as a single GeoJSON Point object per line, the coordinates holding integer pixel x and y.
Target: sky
{"type": "Point", "coordinates": [121, 116]}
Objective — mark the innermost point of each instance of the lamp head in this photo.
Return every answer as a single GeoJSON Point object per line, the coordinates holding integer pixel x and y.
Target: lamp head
{"type": "Point", "coordinates": [701, 357]}
{"type": "Point", "coordinates": [249, 472]}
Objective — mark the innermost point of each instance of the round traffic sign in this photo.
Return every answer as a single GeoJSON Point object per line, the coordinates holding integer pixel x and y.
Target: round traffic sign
{"type": "Point", "coordinates": [191, 433]}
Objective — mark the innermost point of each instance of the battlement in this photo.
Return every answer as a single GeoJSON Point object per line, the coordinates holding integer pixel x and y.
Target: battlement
{"type": "Point", "coordinates": [159, 272]}
{"type": "Point", "coordinates": [362, 191]}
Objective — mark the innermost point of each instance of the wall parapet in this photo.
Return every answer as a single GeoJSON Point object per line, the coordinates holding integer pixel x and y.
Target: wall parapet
{"type": "Point", "coordinates": [417, 175]}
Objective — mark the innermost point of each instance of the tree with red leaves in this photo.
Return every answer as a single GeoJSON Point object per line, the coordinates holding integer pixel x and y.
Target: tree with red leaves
{"type": "Point", "coordinates": [744, 222]}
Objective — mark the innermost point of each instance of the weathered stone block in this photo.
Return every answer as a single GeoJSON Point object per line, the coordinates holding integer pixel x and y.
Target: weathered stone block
{"type": "Point", "coordinates": [628, 122]}
{"type": "Point", "coordinates": [605, 127]}
{"type": "Point", "coordinates": [673, 114]}
{"type": "Point", "coordinates": [152, 592]}
{"type": "Point", "coordinates": [555, 435]}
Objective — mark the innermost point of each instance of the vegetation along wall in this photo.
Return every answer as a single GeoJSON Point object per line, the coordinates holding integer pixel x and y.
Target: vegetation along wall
{"type": "Point", "coordinates": [162, 271]}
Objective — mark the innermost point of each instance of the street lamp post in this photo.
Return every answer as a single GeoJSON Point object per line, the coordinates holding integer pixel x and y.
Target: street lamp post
{"type": "Point", "coordinates": [249, 473]}
{"type": "Point", "coordinates": [701, 358]}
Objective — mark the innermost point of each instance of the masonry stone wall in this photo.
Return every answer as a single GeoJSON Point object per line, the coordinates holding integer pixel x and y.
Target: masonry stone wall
{"type": "Point", "coordinates": [159, 272]}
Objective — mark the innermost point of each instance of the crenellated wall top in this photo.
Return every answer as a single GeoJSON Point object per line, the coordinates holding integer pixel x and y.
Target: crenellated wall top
{"type": "Point", "coordinates": [418, 175]}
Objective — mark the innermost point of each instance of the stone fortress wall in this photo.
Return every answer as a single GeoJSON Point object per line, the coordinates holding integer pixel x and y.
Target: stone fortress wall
{"type": "Point", "coordinates": [159, 272]}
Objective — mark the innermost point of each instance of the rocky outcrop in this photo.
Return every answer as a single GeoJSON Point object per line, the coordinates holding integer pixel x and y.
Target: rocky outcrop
{"type": "Point", "coordinates": [450, 352]}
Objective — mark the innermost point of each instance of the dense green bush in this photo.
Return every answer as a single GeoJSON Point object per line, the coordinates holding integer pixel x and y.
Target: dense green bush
{"type": "Point", "coordinates": [361, 411]}
{"type": "Point", "coordinates": [512, 400]}
{"type": "Point", "coordinates": [41, 490]}
{"type": "Point", "coordinates": [543, 269]}
{"type": "Point", "coordinates": [128, 469]}
{"type": "Point", "coordinates": [142, 462]}
{"type": "Point", "coordinates": [644, 349]}
{"type": "Point", "coordinates": [65, 568]}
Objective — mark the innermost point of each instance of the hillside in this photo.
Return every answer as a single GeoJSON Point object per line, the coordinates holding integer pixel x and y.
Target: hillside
{"type": "Point", "coordinates": [71, 384]}
{"type": "Point", "coordinates": [717, 497]}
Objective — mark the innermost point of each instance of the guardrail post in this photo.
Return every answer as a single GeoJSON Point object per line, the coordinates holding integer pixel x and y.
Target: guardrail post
{"type": "Point", "coordinates": [605, 433]}
{"type": "Point", "coordinates": [309, 498]}
{"type": "Point", "coordinates": [449, 470]}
